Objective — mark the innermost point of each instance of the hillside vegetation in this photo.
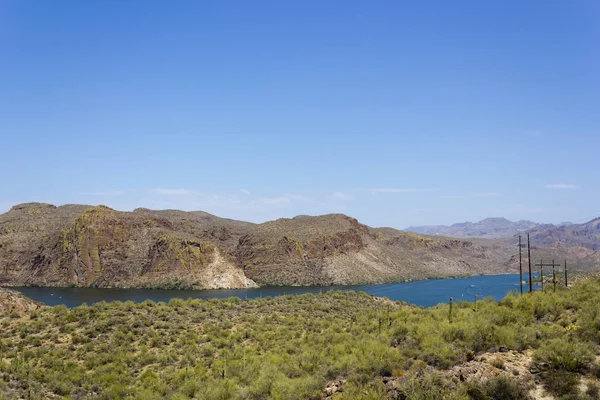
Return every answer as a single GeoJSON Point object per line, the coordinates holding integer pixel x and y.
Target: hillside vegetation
{"type": "Point", "coordinates": [74, 245]}
{"type": "Point", "coordinates": [339, 345]}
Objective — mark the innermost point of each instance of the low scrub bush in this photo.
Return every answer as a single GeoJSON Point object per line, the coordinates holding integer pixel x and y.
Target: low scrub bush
{"type": "Point", "coordinates": [563, 354]}
{"type": "Point", "coordinates": [498, 388]}
{"type": "Point", "coordinates": [291, 346]}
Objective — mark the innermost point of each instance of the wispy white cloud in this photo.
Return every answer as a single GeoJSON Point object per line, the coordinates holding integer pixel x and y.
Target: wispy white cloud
{"type": "Point", "coordinates": [400, 190]}
{"type": "Point", "coordinates": [238, 201]}
{"type": "Point", "coordinates": [520, 209]}
{"type": "Point", "coordinates": [275, 201]}
{"type": "Point", "coordinates": [172, 192]}
{"type": "Point", "coordinates": [341, 196]}
{"type": "Point", "coordinates": [104, 193]}
{"type": "Point", "coordinates": [421, 210]}
{"type": "Point", "coordinates": [566, 186]}
{"type": "Point", "coordinates": [470, 195]}
{"type": "Point", "coordinates": [300, 197]}
{"type": "Point", "coordinates": [284, 200]}
{"type": "Point", "coordinates": [486, 194]}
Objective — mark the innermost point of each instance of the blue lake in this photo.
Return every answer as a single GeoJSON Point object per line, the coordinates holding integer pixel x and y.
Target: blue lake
{"type": "Point", "coordinates": [422, 293]}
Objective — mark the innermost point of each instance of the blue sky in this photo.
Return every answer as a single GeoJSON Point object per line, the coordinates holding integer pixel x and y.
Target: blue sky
{"type": "Point", "coordinates": [395, 112]}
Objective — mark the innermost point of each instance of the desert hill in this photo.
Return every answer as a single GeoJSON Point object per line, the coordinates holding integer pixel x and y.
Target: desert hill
{"type": "Point", "coordinates": [78, 245]}
{"type": "Point", "coordinates": [586, 235]}
{"type": "Point", "coordinates": [12, 302]}
{"type": "Point", "coordinates": [491, 228]}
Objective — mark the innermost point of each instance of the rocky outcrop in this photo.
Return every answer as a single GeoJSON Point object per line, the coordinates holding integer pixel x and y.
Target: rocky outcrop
{"type": "Point", "coordinates": [511, 364]}
{"type": "Point", "coordinates": [297, 258]}
{"type": "Point", "coordinates": [12, 302]}
{"type": "Point", "coordinates": [101, 247]}
{"type": "Point", "coordinates": [75, 245]}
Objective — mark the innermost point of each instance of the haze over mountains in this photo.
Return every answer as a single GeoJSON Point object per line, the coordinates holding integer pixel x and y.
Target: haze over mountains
{"type": "Point", "coordinates": [78, 245]}
{"type": "Point", "coordinates": [585, 235]}
{"type": "Point", "coordinates": [492, 228]}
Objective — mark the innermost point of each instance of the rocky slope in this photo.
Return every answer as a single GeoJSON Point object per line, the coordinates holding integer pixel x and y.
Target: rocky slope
{"type": "Point", "coordinates": [491, 228]}
{"type": "Point", "coordinates": [585, 235]}
{"type": "Point", "coordinates": [75, 245]}
{"type": "Point", "coordinates": [41, 244]}
{"type": "Point", "coordinates": [336, 249]}
{"type": "Point", "coordinates": [12, 301]}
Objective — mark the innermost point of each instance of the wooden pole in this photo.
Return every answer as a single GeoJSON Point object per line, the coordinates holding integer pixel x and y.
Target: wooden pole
{"type": "Point", "coordinates": [529, 259]}
{"type": "Point", "coordinates": [553, 277]}
{"type": "Point", "coordinates": [566, 281]}
{"type": "Point", "coordinates": [542, 273]}
{"type": "Point", "coordinates": [520, 267]}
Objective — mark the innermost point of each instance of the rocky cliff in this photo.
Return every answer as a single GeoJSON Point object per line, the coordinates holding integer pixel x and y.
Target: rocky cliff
{"type": "Point", "coordinates": [14, 302]}
{"type": "Point", "coordinates": [76, 245]}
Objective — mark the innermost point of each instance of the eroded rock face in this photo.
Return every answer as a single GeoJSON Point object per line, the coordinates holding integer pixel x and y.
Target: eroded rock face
{"type": "Point", "coordinates": [14, 302]}
{"type": "Point", "coordinates": [290, 260]}
{"type": "Point", "coordinates": [490, 365]}
{"type": "Point", "coordinates": [77, 245]}
{"type": "Point", "coordinates": [101, 247]}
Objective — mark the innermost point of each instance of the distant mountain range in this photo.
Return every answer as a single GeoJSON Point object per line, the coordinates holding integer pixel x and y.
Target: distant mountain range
{"type": "Point", "coordinates": [565, 234]}
{"type": "Point", "coordinates": [96, 246]}
{"type": "Point", "coordinates": [491, 228]}
{"type": "Point", "coordinates": [585, 235]}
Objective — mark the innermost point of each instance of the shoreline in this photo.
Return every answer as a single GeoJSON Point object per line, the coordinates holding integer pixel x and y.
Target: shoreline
{"type": "Point", "coordinates": [9, 286]}
{"type": "Point", "coordinates": [424, 293]}
{"type": "Point", "coordinates": [254, 289]}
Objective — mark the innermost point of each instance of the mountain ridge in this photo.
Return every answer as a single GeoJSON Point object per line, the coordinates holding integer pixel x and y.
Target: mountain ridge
{"type": "Point", "coordinates": [491, 228]}
{"type": "Point", "coordinates": [96, 246]}
{"type": "Point", "coordinates": [585, 235]}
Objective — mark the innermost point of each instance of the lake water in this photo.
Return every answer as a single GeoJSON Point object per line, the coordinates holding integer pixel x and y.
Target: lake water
{"type": "Point", "coordinates": [422, 293]}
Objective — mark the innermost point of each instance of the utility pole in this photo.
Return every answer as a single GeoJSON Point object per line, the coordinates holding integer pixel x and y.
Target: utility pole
{"type": "Point", "coordinates": [542, 265]}
{"type": "Point", "coordinates": [566, 282]}
{"type": "Point", "coordinates": [542, 273]}
{"type": "Point", "coordinates": [529, 259]}
{"type": "Point", "coordinates": [553, 277]}
{"type": "Point", "coordinates": [520, 267]}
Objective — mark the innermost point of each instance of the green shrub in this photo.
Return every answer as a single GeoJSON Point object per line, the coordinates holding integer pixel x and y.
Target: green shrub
{"type": "Point", "coordinates": [497, 363]}
{"type": "Point", "coordinates": [593, 390]}
{"type": "Point", "coordinates": [291, 346]}
{"type": "Point", "coordinates": [428, 386]}
{"type": "Point", "coordinates": [561, 383]}
{"type": "Point", "coordinates": [497, 388]}
{"type": "Point", "coordinates": [563, 354]}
